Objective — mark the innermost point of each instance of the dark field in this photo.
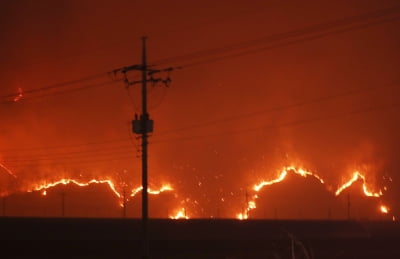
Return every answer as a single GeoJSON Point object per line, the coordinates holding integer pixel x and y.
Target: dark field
{"type": "Point", "coordinates": [120, 238]}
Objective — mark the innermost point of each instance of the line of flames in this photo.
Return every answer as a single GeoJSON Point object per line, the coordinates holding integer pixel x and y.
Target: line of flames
{"type": "Point", "coordinates": [251, 204]}
{"type": "Point", "coordinates": [356, 176]}
{"type": "Point", "coordinates": [180, 214]}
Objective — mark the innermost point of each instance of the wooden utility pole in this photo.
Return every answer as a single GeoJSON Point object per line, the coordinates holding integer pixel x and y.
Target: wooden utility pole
{"type": "Point", "coordinates": [63, 204]}
{"type": "Point", "coordinates": [143, 126]}
{"type": "Point", "coordinates": [348, 206]}
{"type": "Point", "coordinates": [4, 206]}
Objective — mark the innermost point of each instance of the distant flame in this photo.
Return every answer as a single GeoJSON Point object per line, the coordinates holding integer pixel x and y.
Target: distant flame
{"type": "Point", "coordinates": [163, 188]}
{"type": "Point", "coordinates": [356, 176]}
{"type": "Point", "coordinates": [242, 216]}
{"type": "Point", "coordinates": [180, 214]}
{"type": "Point", "coordinates": [283, 175]}
{"type": "Point", "coordinates": [384, 209]}
{"type": "Point", "coordinates": [66, 181]}
{"type": "Point", "coordinates": [251, 204]}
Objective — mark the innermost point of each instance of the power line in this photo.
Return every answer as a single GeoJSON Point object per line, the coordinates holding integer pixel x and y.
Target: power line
{"type": "Point", "coordinates": [55, 86]}
{"type": "Point", "coordinates": [279, 108]}
{"type": "Point", "coordinates": [72, 154]}
{"type": "Point", "coordinates": [324, 29]}
{"type": "Point", "coordinates": [70, 90]}
{"type": "Point", "coordinates": [212, 122]}
{"type": "Point", "coordinates": [286, 124]}
{"type": "Point", "coordinates": [96, 143]}
{"type": "Point", "coordinates": [75, 162]}
{"type": "Point", "coordinates": [283, 44]}
{"type": "Point", "coordinates": [113, 157]}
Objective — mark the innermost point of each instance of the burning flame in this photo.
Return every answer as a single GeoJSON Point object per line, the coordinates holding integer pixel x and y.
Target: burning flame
{"type": "Point", "coordinates": [384, 209]}
{"type": "Point", "coordinates": [357, 176]}
{"type": "Point", "coordinates": [65, 181]}
{"type": "Point", "coordinates": [163, 188]}
{"type": "Point", "coordinates": [251, 204]}
{"type": "Point", "coordinates": [19, 96]}
{"type": "Point", "coordinates": [283, 175]}
{"type": "Point", "coordinates": [180, 214]}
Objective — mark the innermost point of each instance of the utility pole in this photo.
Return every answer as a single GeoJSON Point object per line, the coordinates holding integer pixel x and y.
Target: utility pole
{"type": "Point", "coordinates": [143, 126]}
{"type": "Point", "coordinates": [124, 203]}
{"type": "Point", "coordinates": [247, 205]}
{"type": "Point", "coordinates": [348, 206]}
{"type": "Point", "coordinates": [4, 206]}
{"type": "Point", "coordinates": [63, 204]}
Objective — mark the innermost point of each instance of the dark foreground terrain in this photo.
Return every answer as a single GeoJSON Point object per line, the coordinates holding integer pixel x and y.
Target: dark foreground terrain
{"type": "Point", "coordinates": [120, 238]}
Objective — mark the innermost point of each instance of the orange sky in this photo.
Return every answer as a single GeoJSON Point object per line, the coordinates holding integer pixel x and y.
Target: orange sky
{"type": "Point", "coordinates": [272, 84]}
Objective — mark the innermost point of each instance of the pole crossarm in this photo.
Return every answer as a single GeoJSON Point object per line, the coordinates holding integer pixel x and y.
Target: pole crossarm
{"type": "Point", "coordinates": [149, 72]}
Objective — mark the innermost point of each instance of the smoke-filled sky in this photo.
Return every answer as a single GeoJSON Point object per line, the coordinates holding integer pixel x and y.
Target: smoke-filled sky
{"type": "Point", "coordinates": [262, 85]}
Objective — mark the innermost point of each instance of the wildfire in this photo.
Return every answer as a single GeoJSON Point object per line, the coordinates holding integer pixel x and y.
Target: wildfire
{"type": "Point", "coordinates": [65, 181]}
{"type": "Point", "coordinates": [19, 96]}
{"type": "Point", "coordinates": [242, 216]}
{"type": "Point", "coordinates": [283, 174]}
{"type": "Point", "coordinates": [180, 214]}
{"type": "Point", "coordinates": [163, 188]}
{"type": "Point", "coordinates": [251, 204]}
{"type": "Point", "coordinates": [356, 177]}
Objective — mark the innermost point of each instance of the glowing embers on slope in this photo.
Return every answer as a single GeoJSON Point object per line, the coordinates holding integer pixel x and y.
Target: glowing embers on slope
{"type": "Point", "coordinates": [357, 176]}
{"type": "Point", "coordinates": [180, 214]}
{"type": "Point", "coordinates": [7, 170]}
